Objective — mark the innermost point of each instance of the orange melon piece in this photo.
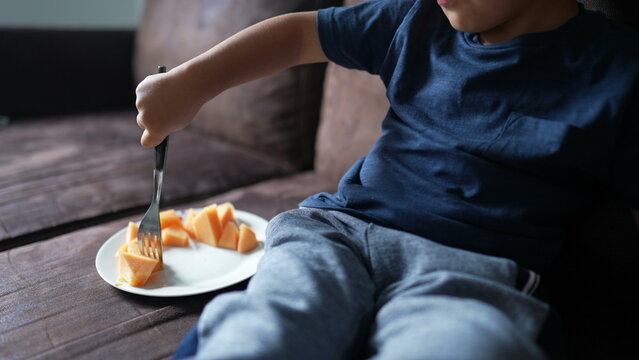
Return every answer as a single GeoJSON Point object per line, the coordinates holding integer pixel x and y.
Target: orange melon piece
{"type": "Point", "coordinates": [134, 249]}
{"type": "Point", "coordinates": [170, 218]}
{"type": "Point", "coordinates": [174, 236]}
{"type": "Point", "coordinates": [214, 220]}
{"type": "Point", "coordinates": [188, 223]}
{"type": "Point", "coordinates": [123, 248]}
{"type": "Point", "coordinates": [247, 240]}
{"type": "Point", "coordinates": [229, 237]}
{"type": "Point", "coordinates": [226, 213]}
{"type": "Point", "coordinates": [203, 229]}
{"type": "Point", "coordinates": [132, 231]}
{"type": "Point", "coordinates": [135, 269]}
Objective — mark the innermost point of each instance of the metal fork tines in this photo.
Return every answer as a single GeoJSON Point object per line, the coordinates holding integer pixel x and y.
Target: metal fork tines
{"type": "Point", "coordinates": [150, 232]}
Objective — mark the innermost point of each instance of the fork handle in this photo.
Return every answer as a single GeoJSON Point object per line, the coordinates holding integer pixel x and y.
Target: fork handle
{"type": "Point", "coordinates": [160, 154]}
{"type": "Point", "coordinates": [160, 157]}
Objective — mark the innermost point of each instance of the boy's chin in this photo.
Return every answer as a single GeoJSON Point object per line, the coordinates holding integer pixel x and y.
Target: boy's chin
{"type": "Point", "coordinates": [466, 23]}
{"type": "Point", "coordinates": [465, 26]}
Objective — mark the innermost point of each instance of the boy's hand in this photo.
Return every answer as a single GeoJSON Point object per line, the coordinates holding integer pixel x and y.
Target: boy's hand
{"type": "Point", "coordinates": [164, 106]}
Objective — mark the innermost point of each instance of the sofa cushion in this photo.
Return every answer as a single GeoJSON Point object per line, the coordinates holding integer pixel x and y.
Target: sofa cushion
{"type": "Point", "coordinates": [278, 114]}
{"type": "Point", "coordinates": [624, 11]}
{"type": "Point", "coordinates": [64, 170]}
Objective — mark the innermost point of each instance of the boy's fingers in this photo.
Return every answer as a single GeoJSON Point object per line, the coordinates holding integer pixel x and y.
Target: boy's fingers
{"type": "Point", "coordinates": [150, 140]}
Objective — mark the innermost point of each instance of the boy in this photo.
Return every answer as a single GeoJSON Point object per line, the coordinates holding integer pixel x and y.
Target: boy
{"type": "Point", "coordinates": [503, 114]}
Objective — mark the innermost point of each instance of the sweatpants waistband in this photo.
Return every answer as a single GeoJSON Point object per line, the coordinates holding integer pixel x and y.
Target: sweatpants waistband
{"type": "Point", "coordinates": [529, 282]}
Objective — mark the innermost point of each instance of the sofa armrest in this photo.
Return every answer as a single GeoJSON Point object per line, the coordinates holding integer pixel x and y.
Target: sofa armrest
{"type": "Point", "coordinates": [46, 72]}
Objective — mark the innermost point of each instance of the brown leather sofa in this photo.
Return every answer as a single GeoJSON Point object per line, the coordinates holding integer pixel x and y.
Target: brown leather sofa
{"type": "Point", "coordinates": [72, 173]}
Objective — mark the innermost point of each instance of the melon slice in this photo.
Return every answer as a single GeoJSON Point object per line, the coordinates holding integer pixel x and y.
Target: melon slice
{"type": "Point", "coordinates": [174, 236]}
{"type": "Point", "coordinates": [226, 213]}
{"type": "Point", "coordinates": [203, 229]}
{"type": "Point", "coordinates": [132, 231]}
{"type": "Point", "coordinates": [229, 236]}
{"type": "Point", "coordinates": [123, 248]}
{"type": "Point", "coordinates": [206, 226]}
{"type": "Point", "coordinates": [170, 218]}
{"type": "Point", "coordinates": [214, 220]}
{"type": "Point", "coordinates": [188, 223]}
{"type": "Point", "coordinates": [247, 240]}
{"type": "Point", "coordinates": [134, 249]}
{"type": "Point", "coordinates": [135, 269]}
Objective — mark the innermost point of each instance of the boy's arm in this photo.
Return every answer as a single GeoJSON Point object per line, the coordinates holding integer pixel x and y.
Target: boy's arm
{"type": "Point", "coordinates": [168, 102]}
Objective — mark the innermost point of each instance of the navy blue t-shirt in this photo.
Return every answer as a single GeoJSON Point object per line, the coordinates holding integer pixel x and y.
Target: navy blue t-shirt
{"type": "Point", "coordinates": [487, 147]}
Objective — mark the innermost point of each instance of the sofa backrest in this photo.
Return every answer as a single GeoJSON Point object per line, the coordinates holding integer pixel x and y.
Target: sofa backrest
{"type": "Point", "coordinates": [276, 115]}
{"type": "Point", "coordinates": [623, 11]}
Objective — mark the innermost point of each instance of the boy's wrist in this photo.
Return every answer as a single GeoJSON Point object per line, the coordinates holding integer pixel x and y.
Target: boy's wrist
{"type": "Point", "coordinates": [196, 81]}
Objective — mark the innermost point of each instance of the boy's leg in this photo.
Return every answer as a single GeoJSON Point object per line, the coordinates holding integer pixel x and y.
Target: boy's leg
{"type": "Point", "coordinates": [309, 299]}
{"type": "Point", "coordinates": [188, 346]}
{"type": "Point", "coordinates": [441, 303]}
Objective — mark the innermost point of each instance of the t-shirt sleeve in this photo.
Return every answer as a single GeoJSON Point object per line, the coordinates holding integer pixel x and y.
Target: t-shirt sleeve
{"type": "Point", "coordinates": [359, 36]}
{"type": "Point", "coordinates": [626, 164]}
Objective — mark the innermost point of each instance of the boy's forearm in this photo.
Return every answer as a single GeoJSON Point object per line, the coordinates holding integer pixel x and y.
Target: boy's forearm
{"type": "Point", "coordinates": [257, 51]}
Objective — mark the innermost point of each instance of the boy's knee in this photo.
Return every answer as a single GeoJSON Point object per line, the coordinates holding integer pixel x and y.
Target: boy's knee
{"type": "Point", "coordinates": [298, 224]}
{"type": "Point", "coordinates": [496, 339]}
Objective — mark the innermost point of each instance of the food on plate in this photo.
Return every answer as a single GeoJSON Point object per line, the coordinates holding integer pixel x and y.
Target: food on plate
{"type": "Point", "coordinates": [170, 218]}
{"type": "Point", "coordinates": [217, 225]}
{"type": "Point", "coordinates": [135, 268]}
{"type": "Point", "coordinates": [247, 240]}
{"type": "Point", "coordinates": [188, 223]}
{"type": "Point", "coordinates": [229, 237]}
{"type": "Point", "coordinates": [206, 226]}
{"type": "Point", "coordinates": [214, 225]}
{"type": "Point", "coordinates": [132, 231]}
{"type": "Point", "coordinates": [175, 236]}
{"type": "Point", "coordinates": [226, 213]}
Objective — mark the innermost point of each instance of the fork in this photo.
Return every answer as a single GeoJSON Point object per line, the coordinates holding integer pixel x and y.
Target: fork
{"type": "Point", "coordinates": [150, 232]}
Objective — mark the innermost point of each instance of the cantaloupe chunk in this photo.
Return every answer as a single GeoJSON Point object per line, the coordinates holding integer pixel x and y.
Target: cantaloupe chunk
{"type": "Point", "coordinates": [188, 223]}
{"type": "Point", "coordinates": [214, 219]}
{"type": "Point", "coordinates": [175, 236]}
{"type": "Point", "coordinates": [133, 248]}
{"type": "Point", "coordinates": [132, 231]}
{"type": "Point", "coordinates": [135, 269]}
{"type": "Point", "coordinates": [229, 237]}
{"type": "Point", "coordinates": [203, 229]}
{"type": "Point", "coordinates": [226, 213]}
{"type": "Point", "coordinates": [123, 248]}
{"type": "Point", "coordinates": [170, 218]}
{"type": "Point", "coordinates": [247, 240]}
{"type": "Point", "coordinates": [206, 226]}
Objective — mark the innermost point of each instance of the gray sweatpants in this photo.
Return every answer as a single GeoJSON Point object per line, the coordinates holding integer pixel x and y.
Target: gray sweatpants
{"type": "Point", "coordinates": [331, 286]}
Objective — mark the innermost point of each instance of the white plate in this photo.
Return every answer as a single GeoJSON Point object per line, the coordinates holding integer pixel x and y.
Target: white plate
{"type": "Point", "coordinates": [192, 270]}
